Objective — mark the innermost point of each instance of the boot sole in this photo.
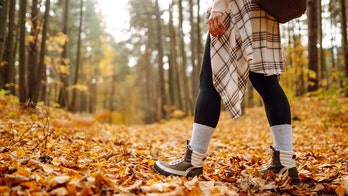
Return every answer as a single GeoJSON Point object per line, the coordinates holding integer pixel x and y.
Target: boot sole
{"type": "Point", "coordinates": [292, 172]}
{"type": "Point", "coordinates": [194, 172]}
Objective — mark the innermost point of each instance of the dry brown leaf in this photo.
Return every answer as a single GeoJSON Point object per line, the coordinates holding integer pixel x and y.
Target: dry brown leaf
{"type": "Point", "coordinates": [61, 191]}
{"type": "Point", "coordinates": [158, 187]}
{"type": "Point", "coordinates": [60, 179]}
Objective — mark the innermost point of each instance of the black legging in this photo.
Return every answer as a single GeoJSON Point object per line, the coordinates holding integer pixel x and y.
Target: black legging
{"type": "Point", "coordinates": [208, 103]}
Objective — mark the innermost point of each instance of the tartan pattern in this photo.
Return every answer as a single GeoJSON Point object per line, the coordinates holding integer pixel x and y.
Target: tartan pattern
{"type": "Point", "coordinates": [251, 42]}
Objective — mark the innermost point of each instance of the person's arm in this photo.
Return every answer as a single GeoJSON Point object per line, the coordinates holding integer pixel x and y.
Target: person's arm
{"type": "Point", "coordinates": [215, 22]}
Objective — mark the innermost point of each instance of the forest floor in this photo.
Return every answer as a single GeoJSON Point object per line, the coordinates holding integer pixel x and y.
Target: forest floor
{"type": "Point", "coordinates": [47, 151]}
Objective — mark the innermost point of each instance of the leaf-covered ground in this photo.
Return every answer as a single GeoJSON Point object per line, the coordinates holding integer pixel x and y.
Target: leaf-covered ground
{"type": "Point", "coordinates": [46, 151]}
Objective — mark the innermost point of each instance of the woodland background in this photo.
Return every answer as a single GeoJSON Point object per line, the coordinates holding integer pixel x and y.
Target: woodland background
{"type": "Point", "coordinates": [59, 53]}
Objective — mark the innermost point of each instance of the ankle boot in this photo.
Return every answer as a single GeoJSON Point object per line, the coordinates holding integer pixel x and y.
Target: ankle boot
{"type": "Point", "coordinates": [283, 161]}
{"type": "Point", "coordinates": [190, 165]}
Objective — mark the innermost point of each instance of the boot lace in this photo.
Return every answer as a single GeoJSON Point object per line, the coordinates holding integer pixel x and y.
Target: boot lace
{"type": "Point", "coordinates": [175, 162]}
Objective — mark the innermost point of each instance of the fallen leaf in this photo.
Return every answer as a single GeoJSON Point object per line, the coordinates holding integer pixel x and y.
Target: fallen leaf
{"type": "Point", "coordinates": [61, 191]}
{"type": "Point", "coordinates": [60, 179]}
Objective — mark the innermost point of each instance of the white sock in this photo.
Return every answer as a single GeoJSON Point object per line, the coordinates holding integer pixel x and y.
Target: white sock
{"type": "Point", "coordinates": [201, 135]}
{"type": "Point", "coordinates": [282, 137]}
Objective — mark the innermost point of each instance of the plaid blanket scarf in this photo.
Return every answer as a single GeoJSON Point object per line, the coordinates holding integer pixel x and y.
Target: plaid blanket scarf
{"type": "Point", "coordinates": [251, 42]}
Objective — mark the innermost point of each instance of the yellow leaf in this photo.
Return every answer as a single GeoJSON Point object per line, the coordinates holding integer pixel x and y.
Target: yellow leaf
{"type": "Point", "coordinates": [34, 117]}
{"type": "Point", "coordinates": [5, 190]}
{"type": "Point", "coordinates": [94, 155]}
{"type": "Point", "coordinates": [222, 154]}
{"type": "Point", "coordinates": [20, 152]}
{"type": "Point", "coordinates": [150, 162]}
{"type": "Point", "coordinates": [23, 171]}
{"type": "Point", "coordinates": [30, 185]}
{"type": "Point", "coordinates": [151, 182]}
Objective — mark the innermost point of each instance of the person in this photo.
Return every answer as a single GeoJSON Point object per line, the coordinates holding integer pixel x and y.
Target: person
{"type": "Point", "coordinates": [243, 42]}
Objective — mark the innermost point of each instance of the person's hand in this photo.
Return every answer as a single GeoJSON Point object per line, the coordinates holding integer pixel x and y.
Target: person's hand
{"type": "Point", "coordinates": [215, 24]}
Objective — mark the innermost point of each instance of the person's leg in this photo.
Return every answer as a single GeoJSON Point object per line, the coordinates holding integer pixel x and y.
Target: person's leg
{"type": "Point", "coordinates": [277, 109]}
{"type": "Point", "coordinates": [208, 103]}
{"type": "Point", "coordinates": [279, 117]}
{"type": "Point", "coordinates": [206, 116]}
{"type": "Point", "coordinates": [207, 108]}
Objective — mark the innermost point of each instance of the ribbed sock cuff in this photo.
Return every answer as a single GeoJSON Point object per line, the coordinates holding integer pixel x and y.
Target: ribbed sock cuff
{"type": "Point", "coordinates": [201, 135]}
{"type": "Point", "coordinates": [282, 137]}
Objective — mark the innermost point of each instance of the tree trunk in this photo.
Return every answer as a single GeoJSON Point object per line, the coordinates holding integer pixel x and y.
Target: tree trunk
{"type": "Point", "coordinates": [333, 80]}
{"type": "Point", "coordinates": [344, 34]}
{"type": "Point", "coordinates": [161, 82]}
{"type": "Point", "coordinates": [193, 56]}
{"type": "Point", "coordinates": [113, 92]}
{"type": "Point", "coordinates": [172, 59]}
{"type": "Point", "coordinates": [64, 78]}
{"type": "Point", "coordinates": [177, 82]}
{"type": "Point", "coordinates": [42, 67]}
{"type": "Point", "coordinates": [323, 78]}
{"type": "Point", "coordinates": [149, 113]}
{"type": "Point", "coordinates": [312, 12]}
{"type": "Point", "coordinates": [4, 6]}
{"type": "Point", "coordinates": [8, 73]}
{"type": "Point", "coordinates": [92, 104]}
{"type": "Point", "coordinates": [148, 77]}
{"type": "Point", "coordinates": [186, 93]}
{"type": "Point", "coordinates": [33, 60]}
{"type": "Point", "coordinates": [78, 57]}
{"type": "Point", "coordinates": [199, 48]}
{"type": "Point", "coordinates": [22, 52]}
